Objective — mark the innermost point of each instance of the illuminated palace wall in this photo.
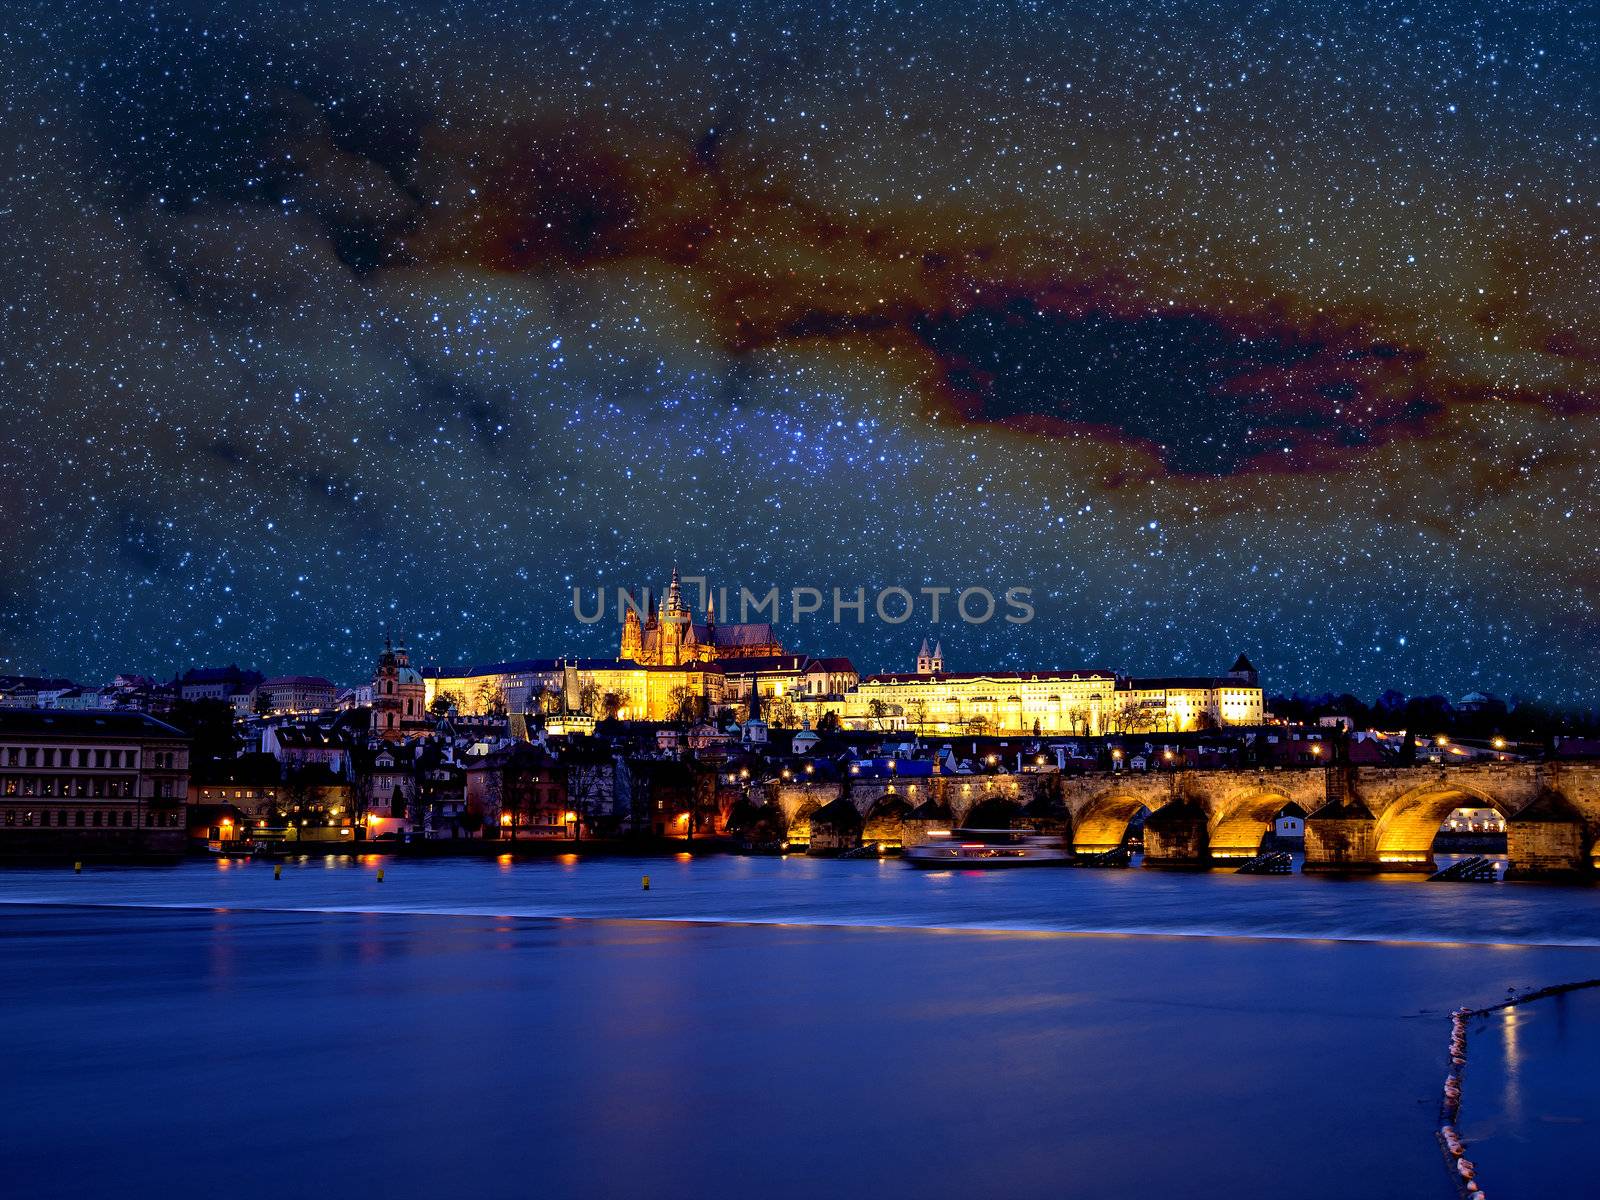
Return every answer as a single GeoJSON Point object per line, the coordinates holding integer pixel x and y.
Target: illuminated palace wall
{"type": "Point", "coordinates": [1055, 702]}
{"type": "Point", "coordinates": [647, 693]}
{"type": "Point", "coordinates": [929, 700]}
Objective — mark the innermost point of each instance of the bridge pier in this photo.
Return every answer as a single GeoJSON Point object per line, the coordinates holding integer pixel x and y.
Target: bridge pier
{"type": "Point", "coordinates": [1176, 836]}
{"type": "Point", "coordinates": [1546, 840]}
{"type": "Point", "coordinates": [1342, 839]}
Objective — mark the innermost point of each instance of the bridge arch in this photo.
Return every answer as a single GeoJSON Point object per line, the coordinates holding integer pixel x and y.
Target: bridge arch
{"type": "Point", "coordinates": [1244, 820]}
{"type": "Point", "coordinates": [800, 820]}
{"type": "Point", "coordinates": [885, 820]}
{"type": "Point", "coordinates": [1411, 821]}
{"type": "Point", "coordinates": [993, 812]}
{"type": "Point", "coordinates": [1103, 823]}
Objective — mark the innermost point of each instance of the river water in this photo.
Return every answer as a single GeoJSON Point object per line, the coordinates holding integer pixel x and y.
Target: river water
{"type": "Point", "coordinates": [767, 1027]}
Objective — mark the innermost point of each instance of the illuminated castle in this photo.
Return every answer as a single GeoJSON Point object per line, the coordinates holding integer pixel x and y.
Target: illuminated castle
{"type": "Point", "coordinates": [669, 636]}
{"type": "Point", "coordinates": [1085, 701]}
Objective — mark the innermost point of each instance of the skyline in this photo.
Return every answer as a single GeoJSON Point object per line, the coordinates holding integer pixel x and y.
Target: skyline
{"type": "Point", "coordinates": [1239, 329]}
{"type": "Point", "coordinates": [792, 633]}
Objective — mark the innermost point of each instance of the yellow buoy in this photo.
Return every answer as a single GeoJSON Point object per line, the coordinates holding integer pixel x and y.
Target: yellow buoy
{"type": "Point", "coordinates": [277, 870]}
{"type": "Point", "coordinates": [647, 883]}
{"type": "Point", "coordinates": [380, 874]}
{"type": "Point", "coordinates": [77, 869]}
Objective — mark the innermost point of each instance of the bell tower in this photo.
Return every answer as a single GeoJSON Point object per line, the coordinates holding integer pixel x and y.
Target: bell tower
{"type": "Point", "coordinates": [674, 623]}
{"type": "Point", "coordinates": [386, 694]}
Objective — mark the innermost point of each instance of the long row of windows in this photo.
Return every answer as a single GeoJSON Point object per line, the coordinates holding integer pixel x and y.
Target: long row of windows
{"type": "Point", "coordinates": [84, 818]}
{"type": "Point", "coordinates": [80, 787]}
{"type": "Point", "coordinates": [75, 756]}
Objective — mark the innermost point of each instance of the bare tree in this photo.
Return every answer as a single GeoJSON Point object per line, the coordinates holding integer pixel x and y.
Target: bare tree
{"type": "Point", "coordinates": [490, 699]}
{"type": "Point", "coordinates": [917, 714]}
{"type": "Point", "coordinates": [590, 792]}
{"type": "Point", "coordinates": [685, 705]}
{"type": "Point", "coordinates": [589, 698]}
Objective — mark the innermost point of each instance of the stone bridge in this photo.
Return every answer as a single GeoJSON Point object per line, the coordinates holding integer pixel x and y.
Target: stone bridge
{"type": "Point", "coordinates": [1360, 818]}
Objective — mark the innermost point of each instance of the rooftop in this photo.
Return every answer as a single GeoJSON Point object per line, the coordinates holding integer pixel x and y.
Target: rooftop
{"type": "Point", "coordinates": [51, 722]}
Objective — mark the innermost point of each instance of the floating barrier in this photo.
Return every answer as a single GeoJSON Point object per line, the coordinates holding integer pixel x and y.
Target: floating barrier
{"type": "Point", "coordinates": [1462, 1169]}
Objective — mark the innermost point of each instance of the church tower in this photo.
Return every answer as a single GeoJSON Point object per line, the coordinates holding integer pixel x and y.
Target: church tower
{"type": "Point", "coordinates": [938, 658]}
{"type": "Point", "coordinates": [632, 637]}
{"type": "Point", "coordinates": [674, 623]}
{"type": "Point", "coordinates": [925, 659]}
{"type": "Point", "coordinates": [385, 696]}
{"type": "Point", "coordinates": [398, 693]}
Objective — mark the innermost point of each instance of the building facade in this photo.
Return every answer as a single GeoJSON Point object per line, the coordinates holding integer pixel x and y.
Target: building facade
{"type": "Point", "coordinates": [91, 783]}
{"type": "Point", "coordinates": [296, 694]}
{"type": "Point", "coordinates": [1088, 701]}
{"type": "Point", "coordinates": [597, 687]}
{"type": "Point", "coordinates": [217, 683]}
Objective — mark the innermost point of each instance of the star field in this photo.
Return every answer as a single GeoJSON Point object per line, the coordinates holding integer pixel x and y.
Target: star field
{"type": "Point", "coordinates": [1223, 327]}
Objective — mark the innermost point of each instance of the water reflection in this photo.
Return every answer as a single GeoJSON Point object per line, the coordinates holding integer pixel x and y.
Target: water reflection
{"type": "Point", "coordinates": [627, 1058]}
{"type": "Point", "coordinates": [1511, 1052]}
{"type": "Point", "coordinates": [802, 890]}
{"type": "Point", "coordinates": [1532, 1105]}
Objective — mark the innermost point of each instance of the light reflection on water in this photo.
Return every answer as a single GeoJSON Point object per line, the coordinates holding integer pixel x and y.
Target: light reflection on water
{"type": "Point", "coordinates": [1511, 1050]}
{"type": "Point", "coordinates": [1530, 1109]}
{"type": "Point", "coordinates": [806, 891]}
{"type": "Point", "coordinates": [374, 1049]}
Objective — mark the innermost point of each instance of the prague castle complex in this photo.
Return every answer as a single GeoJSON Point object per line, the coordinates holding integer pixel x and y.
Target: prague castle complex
{"type": "Point", "coordinates": [1089, 702]}
{"type": "Point", "coordinates": [671, 667]}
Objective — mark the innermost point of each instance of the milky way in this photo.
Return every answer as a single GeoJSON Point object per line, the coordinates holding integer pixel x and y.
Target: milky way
{"type": "Point", "coordinates": [1225, 327]}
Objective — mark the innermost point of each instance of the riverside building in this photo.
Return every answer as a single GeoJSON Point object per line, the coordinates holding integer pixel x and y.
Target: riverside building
{"type": "Point", "coordinates": [91, 784]}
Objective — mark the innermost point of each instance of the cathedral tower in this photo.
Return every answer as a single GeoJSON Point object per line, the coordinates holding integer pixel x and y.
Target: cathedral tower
{"type": "Point", "coordinates": [632, 637]}
{"type": "Point", "coordinates": [675, 624]}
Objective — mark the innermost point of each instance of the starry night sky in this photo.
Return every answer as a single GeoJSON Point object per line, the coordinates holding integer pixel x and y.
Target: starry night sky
{"type": "Point", "coordinates": [1222, 326]}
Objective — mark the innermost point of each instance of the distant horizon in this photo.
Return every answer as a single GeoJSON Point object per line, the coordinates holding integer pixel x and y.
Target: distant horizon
{"type": "Point", "coordinates": [1270, 688]}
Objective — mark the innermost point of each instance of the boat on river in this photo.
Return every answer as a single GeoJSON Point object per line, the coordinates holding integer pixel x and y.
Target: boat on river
{"type": "Point", "coordinates": [984, 848]}
{"type": "Point", "coordinates": [233, 849]}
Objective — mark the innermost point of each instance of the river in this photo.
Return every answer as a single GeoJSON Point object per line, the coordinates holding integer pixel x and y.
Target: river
{"type": "Point", "coordinates": [767, 1027]}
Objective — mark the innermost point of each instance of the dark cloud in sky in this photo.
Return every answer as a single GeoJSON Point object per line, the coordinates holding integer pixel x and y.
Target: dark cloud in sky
{"type": "Point", "coordinates": [1220, 331]}
{"type": "Point", "coordinates": [1206, 399]}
